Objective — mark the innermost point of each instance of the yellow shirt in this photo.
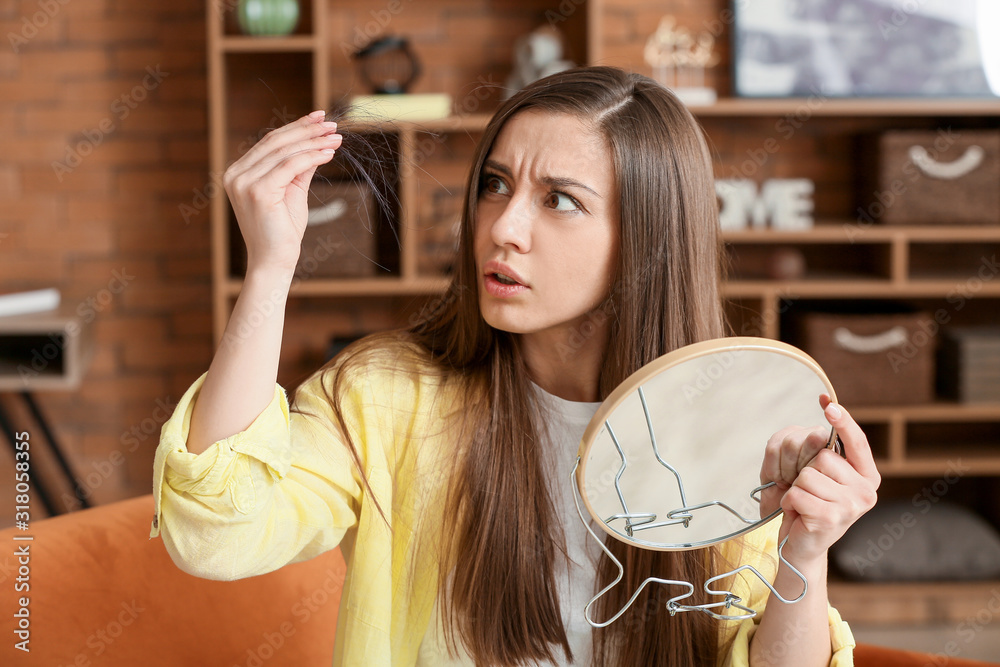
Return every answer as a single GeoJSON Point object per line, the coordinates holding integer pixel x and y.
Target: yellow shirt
{"type": "Point", "coordinates": [286, 490]}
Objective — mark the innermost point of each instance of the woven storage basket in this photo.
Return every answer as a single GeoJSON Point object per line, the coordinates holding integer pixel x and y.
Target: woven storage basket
{"type": "Point", "coordinates": [944, 177]}
{"type": "Point", "coordinates": [340, 240]}
{"type": "Point", "coordinates": [876, 359]}
{"type": "Point", "coordinates": [970, 364]}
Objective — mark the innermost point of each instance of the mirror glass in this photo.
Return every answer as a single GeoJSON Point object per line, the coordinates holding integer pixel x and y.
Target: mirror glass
{"type": "Point", "coordinates": [672, 458]}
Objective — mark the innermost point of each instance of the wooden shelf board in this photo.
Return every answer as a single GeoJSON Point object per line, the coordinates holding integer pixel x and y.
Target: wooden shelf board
{"type": "Point", "coordinates": [832, 107]}
{"type": "Point", "coordinates": [881, 603]}
{"type": "Point", "coordinates": [843, 289]}
{"type": "Point", "coordinates": [975, 463]}
{"type": "Point", "coordinates": [931, 412]}
{"type": "Point", "coordinates": [849, 231]}
{"type": "Point", "coordinates": [358, 286]}
{"type": "Point", "coordinates": [245, 44]}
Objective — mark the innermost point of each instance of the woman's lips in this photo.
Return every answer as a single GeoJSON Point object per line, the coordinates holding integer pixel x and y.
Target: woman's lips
{"type": "Point", "coordinates": [511, 285]}
{"type": "Point", "coordinates": [501, 290]}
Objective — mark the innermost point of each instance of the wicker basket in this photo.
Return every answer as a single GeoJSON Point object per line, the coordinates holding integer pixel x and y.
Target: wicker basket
{"type": "Point", "coordinates": [944, 177]}
{"type": "Point", "coordinates": [970, 364]}
{"type": "Point", "coordinates": [340, 240]}
{"type": "Point", "coordinates": [876, 359]}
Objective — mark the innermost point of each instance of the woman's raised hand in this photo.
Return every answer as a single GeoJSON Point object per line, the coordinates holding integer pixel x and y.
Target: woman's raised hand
{"type": "Point", "coordinates": [821, 493]}
{"type": "Point", "coordinates": [269, 186]}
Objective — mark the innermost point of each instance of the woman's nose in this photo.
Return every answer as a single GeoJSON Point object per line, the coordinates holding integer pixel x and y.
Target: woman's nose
{"type": "Point", "coordinates": [513, 227]}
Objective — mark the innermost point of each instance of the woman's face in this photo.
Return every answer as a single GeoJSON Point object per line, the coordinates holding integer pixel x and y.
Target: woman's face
{"type": "Point", "coordinates": [546, 238]}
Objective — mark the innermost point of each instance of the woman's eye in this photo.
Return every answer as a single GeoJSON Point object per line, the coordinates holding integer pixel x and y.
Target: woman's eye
{"type": "Point", "coordinates": [494, 185]}
{"type": "Point", "coordinates": [560, 201]}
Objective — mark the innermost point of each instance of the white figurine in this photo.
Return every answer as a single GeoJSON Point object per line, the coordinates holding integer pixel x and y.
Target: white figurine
{"type": "Point", "coordinates": [536, 55]}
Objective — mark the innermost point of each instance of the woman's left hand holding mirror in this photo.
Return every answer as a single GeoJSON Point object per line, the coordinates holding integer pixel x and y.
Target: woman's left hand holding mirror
{"type": "Point", "coordinates": [820, 492]}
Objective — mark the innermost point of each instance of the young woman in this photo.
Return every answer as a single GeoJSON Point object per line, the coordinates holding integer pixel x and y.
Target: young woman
{"type": "Point", "coordinates": [438, 457]}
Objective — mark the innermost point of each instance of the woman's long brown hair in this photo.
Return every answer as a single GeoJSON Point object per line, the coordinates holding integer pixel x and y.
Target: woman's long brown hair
{"type": "Point", "coordinates": [665, 294]}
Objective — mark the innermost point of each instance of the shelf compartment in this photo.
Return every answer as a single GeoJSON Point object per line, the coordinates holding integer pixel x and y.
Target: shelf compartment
{"type": "Point", "coordinates": [261, 96]}
{"type": "Point", "coordinates": [809, 262]}
{"type": "Point", "coordinates": [974, 442]}
{"type": "Point", "coordinates": [748, 317]}
{"type": "Point", "coordinates": [878, 434]}
{"type": "Point", "coordinates": [958, 305]}
{"type": "Point", "coordinates": [231, 30]}
{"type": "Point", "coordinates": [973, 262]}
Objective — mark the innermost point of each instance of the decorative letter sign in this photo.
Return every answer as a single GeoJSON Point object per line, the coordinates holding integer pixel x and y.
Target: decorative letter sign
{"type": "Point", "coordinates": [784, 203]}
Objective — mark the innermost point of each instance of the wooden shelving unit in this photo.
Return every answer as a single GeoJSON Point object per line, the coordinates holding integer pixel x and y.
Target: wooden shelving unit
{"type": "Point", "coordinates": [908, 263]}
{"type": "Point", "coordinates": [223, 44]}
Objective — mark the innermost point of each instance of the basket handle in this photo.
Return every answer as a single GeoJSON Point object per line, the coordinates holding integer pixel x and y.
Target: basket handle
{"type": "Point", "coordinates": [852, 342]}
{"type": "Point", "coordinates": [328, 212]}
{"type": "Point", "coordinates": [947, 171]}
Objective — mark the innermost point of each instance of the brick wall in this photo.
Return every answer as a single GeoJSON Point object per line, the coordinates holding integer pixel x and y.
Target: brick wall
{"type": "Point", "coordinates": [103, 117]}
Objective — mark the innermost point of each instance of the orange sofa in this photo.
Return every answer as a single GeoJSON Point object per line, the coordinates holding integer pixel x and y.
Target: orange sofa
{"type": "Point", "coordinates": [103, 593]}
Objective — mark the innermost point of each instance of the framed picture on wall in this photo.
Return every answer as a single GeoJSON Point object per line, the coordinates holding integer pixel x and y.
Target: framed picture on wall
{"type": "Point", "coordinates": [863, 48]}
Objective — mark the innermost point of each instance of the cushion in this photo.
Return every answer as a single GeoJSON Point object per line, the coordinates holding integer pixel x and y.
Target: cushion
{"type": "Point", "coordinates": [904, 541]}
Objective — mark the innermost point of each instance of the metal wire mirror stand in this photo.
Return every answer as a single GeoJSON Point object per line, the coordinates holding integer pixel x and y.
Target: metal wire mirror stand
{"type": "Point", "coordinates": [682, 515]}
{"type": "Point", "coordinates": [674, 605]}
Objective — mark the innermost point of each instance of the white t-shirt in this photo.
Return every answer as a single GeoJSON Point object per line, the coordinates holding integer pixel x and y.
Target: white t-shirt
{"type": "Point", "coordinates": [575, 579]}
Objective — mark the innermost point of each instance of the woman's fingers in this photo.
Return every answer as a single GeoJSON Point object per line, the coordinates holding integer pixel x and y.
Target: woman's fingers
{"type": "Point", "coordinates": [277, 176]}
{"type": "Point", "coordinates": [856, 448]}
{"type": "Point", "coordinates": [775, 458]}
{"type": "Point", "coordinates": [282, 141]}
{"type": "Point", "coordinates": [819, 510]}
{"type": "Point", "coordinates": [251, 172]}
{"type": "Point", "coordinates": [285, 150]}
{"type": "Point", "coordinates": [820, 492]}
{"type": "Point", "coordinates": [789, 450]}
{"type": "Point", "coordinates": [816, 440]}
{"type": "Point", "coordinates": [831, 492]}
{"type": "Point", "coordinates": [807, 505]}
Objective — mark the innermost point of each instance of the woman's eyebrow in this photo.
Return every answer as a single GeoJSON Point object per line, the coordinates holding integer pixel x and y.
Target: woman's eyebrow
{"type": "Point", "coordinates": [554, 181]}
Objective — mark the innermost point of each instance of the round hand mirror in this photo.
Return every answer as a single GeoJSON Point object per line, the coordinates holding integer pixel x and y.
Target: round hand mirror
{"type": "Point", "coordinates": [672, 458]}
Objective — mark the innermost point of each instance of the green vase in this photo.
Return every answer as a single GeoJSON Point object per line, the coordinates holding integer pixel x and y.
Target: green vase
{"type": "Point", "coordinates": [268, 17]}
